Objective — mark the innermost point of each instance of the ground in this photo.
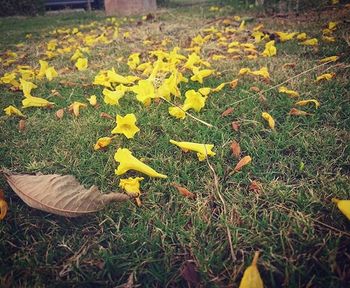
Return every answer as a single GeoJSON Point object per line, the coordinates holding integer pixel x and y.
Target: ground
{"type": "Point", "coordinates": [278, 204]}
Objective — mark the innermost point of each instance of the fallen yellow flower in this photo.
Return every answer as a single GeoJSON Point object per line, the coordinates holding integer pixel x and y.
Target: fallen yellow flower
{"type": "Point", "coordinates": [126, 125]}
{"type": "Point", "coordinates": [12, 110]}
{"type": "Point", "coordinates": [112, 97]}
{"type": "Point", "coordinates": [50, 73]}
{"type": "Point", "coordinates": [269, 119]}
{"type": "Point", "coordinates": [102, 143]}
{"type": "Point", "coordinates": [92, 100]}
{"type": "Point", "coordinates": [285, 90]}
{"type": "Point", "coordinates": [310, 42]}
{"type": "Point", "coordinates": [200, 74]}
{"type": "Point", "coordinates": [344, 206]}
{"type": "Point", "coordinates": [81, 64]}
{"type": "Point", "coordinates": [132, 187]}
{"type": "Point", "coordinates": [75, 107]}
{"type": "Point", "coordinates": [129, 162]}
{"type": "Point", "coordinates": [329, 59]}
{"type": "Point", "coordinates": [262, 73]}
{"type": "Point", "coordinates": [194, 100]}
{"type": "Point", "coordinates": [251, 276]}
{"type": "Point", "coordinates": [203, 150]}
{"type": "Point", "coordinates": [36, 102]}
{"type": "Point", "coordinates": [27, 87]}
{"type": "Point", "coordinates": [270, 49]}
{"type": "Point", "coordinates": [326, 77]}
{"type": "Point", "coordinates": [297, 112]}
{"type": "Point", "coordinates": [144, 91]}
{"type": "Point", "coordinates": [305, 102]}
{"type": "Point", "coordinates": [177, 112]}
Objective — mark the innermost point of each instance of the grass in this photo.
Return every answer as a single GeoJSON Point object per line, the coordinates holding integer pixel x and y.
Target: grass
{"type": "Point", "coordinates": [304, 240]}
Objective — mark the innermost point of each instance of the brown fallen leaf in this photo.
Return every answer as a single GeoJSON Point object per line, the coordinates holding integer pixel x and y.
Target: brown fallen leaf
{"type": "Point", "coordinates": [190, 274]}
{"type": "Point", "coordinates": [255, 186]}
{"type": "Point", "coordinates": [60, 114]}
{"type": "Point", "coordinates": [236, 149]}
{"type": "Point", "coordinates": [22, 125]}
{"type": "Point", "coordinates": [234, 83]}
{"type": "Point", "coordinates": [235, 126]}
{"type": "Point", "coordinates": [106, 116]}
{"type": "Point", "coordinates": [289, 65]}
{"type": "Point", "coordinates": [54, 92]}
{"type": "Point", "coordinates": [297, 112]}
{"type": "Point", "coordinates": [244, 161]}
{"type": "Point", "coordinates": [227, 112]}
{"type": "Point", "coordinates": [255, 89]}
{"type": "Point", "coordinates": [57, 194]}
{"type": "Point", "coordinates": [184, 192]}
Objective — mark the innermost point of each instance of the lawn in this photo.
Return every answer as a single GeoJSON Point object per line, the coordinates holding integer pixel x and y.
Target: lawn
{"type": "Point", "coordinates": [278, 204]}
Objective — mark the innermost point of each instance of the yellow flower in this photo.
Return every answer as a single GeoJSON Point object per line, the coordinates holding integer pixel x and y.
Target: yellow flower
{"type": "Point", "coordinates": [329, 59]}
{"type": "Point", "coordinates": [177, 112]}
{"type": "Point", "coordinates": [10, 78]}
{"type": "Point", "coordinates": [144, 91]}
{"type": "Point", "coordinates": [270, 49]}
{"type": "Point", "coordinates": [203, 150]}
{"type": "Point", "coordinates": [251, 276]}
{"type": "Point", "coordinates": [258, 35]}
{"type": "Point", "coordinates": [205, 91]}
{"type": "Point", "coordinates": [129, 162]}
{"type": "Point", "coordinates": [332, 25]}
{"type": "Point", "coordinates": [326, 76]}
{"type": "Point", "coordinates": [77, 54]}
{"type": "Point", "coordinates": [126, 125]}
{"type": "Point", "coordinates": [27, 87]}
{"type": "Point", "coordinates": [116, 78]}
{"type": "Point", "coordinates": [244, 71]}
{"type": "Point", "coordinates": [43, 67]}
{"type": "Point", "coordinates": [344, 206]}
{"type": "Point", "coordinates": [131, 186]}
{"type": "Point", "coordinates": [75, 107]}
{"type": "Point", "coordinates": [285, 90]}
{"type": "Point", "coordinates": [269, 119]}
{"type": "Point", "coordinates": [218, 88]}
{"type": "Point", "coordinates": [81, 64]}
{"type": "Point", "coordinates": [92, 100]}
{"type": "Point", "coordinates": [194, 100]}
{"type": "Point", "coordinates": [11, 110]}
{"type": "Point", "coordinates": [50, 73]}
{"type": "Point", "coordinates": [36, 102]}
{"type": "Point", "coordinates": [310, 42]}
{"type": "Point", "coordinates": [102, 143]}
{"type": "Point", "coordinates": [112, 97]}
{"type": "Point", "coordinates": [262, 73]}
{"type": "Point", "coordinates": [328, 39]}
{"type": "Point", "coordinates": [285, 36]}
{"type": "Point", "coordinates": [200, 74]}
{"type": "Point", "coordinates": [305, 102]}
{"type": "Point", "coordinates": [134, 60]}
{"type": "Point", "coordinates": [302, 37]}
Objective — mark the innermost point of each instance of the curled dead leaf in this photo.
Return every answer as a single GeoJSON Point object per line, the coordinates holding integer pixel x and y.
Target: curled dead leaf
{"type": "Point", "coordinates": [22, 125]}
{"type": "Point", "coordinates": [236, 149]}
{"type": "Point", "coordinates": [254, 89]}
{"type": "Point", "coordinates": [227, 112]}
{"type": "Point", "coordinates": [235, 126]}
{"type": "Point", "coordinates": [106, 116]}
{"type": "Point", "coordinates": [184, 192]}
{"type": "Point", "coordinates": [255, 186]}
{"type": "Point", "coordinates": [234, 83]}
{"type": "Point", "coordinates": [243, 162]}
{"type": "Point", "coordinates": [60, 114]}
{"type": "Point", "coordinates": [57, 194]}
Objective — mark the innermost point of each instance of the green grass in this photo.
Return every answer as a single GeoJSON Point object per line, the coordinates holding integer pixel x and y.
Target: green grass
{"type": "Point", "coordinates": [304, 240]}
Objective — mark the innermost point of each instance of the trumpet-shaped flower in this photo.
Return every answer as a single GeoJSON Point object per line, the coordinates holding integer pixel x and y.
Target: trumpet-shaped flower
{"type": "Point", "coordinates": [126, 125]}
{"type": "Point", "coordinates": [310, 42]}
{"type": "Point", "coordinates": [144, 91]}
{"type": "Point", "coordinates": [200, 74]}
{"type": "Point", "coordinates": [27, 87]}
{"type": "Point", "coordinates": [132, 187]}
{"type": "Point", "coordinates": [75, 107]}
{"type": "Point", "coordinates": [262, 73]}
{"type": "Point", "coordinates": [92, 100]}
{"type": "Point", "coordinates": [50, 73]}
{"type": "Point", "coordinates": [325, 77]}
{"type": "Point", "coordinates": [36, 102]}
{"type": "Point", "coordinates": [302, 37]}
{"type": "Point", "coordinates": [128, 162]}
{"type": "Point", "coordinates": [343, 206]}
{"type": "Point", "coordinates": [12, 110]}
{"type": "Point", "coordinates": [285, 36]}
{"type": "Point", "coordinates": [134, 60]}
{"type": "Point", "coordinates": [112, 97]}
{"type": "Point", "coordinates": [203, 150]}
{"type": "Point", "coordinates": [81, 64]}
{"type": "Point", "coordinates": [270, 49]}
{"type": "Point", "coordinates": [329, 59]}
{"type": "Point", "coordinates": [306, 102]}
{"type": "Point", "coordinates": [269, 120]}
{"type": "Point", "coordinates": [205, 91]}
{"type": "Point", "coordinates": [194, 100]}
{"type": "Point", "coordinates": [77, 54]}
{"type": "Point", "coordinates": [177, 112]}
{"type": "Point", "coordinates": [43, 67]}
{"type": "Point", "coordinates": [116, 78]}
{"type": "Point", "coordinates": [102, 143]}
{"type": "Point", "coordinates": [285, 90]}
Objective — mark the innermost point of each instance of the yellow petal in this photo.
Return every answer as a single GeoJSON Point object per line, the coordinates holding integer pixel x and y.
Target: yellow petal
{"type": "Point", "coordinates": [344, 206]}
{"type": "Point", "coordinates": [269, 119]}
{"type": "Point", "coordinates": [126, 126]}
{"type": "Point", "coordinates": [310, 42]}
{"type": "Point", "coordinates": [326, 76]}
{"type": "Point", "coordinates": [12, 110]}
{"type": "Point", "coordinates": [305, 102]}
{"type": "Point", "coordinates": [219, 88]}
{"type": "Point", "coordinates": [75, 107]}
{"type": "Point", "coordinates": [177, 112]}
{"type": "Point", "coordinates": [3, 208]}
{"type": "Point", "coordinates": [131, 186]}
{"type": "Point", "coordinates": [194, 100]}
{"type": "Point", "coordinates": [102, 143]}
{"type": "Point", "coordinates": [329, 59]}
{"type": "Point", "coordinates": [36, 102]}
{"type": "Point", "coordinates": [92, 100]}
{"type": "Point", "coordinates": [251, 277]}
{"type": "Point", "coordinates": [81, 64]}
{"type": "Point", "coordinates": [50, 73]}
{"type": "Point", "coordinates": [285, 90]}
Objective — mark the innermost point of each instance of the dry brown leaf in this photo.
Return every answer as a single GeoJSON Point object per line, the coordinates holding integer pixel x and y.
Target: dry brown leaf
{"type": "Point", "coordinates": [60, 114]}
{"type": "Point", "coordinates": [244, 161]}
{"type": "Point", "coordinates": [190, 274]}
{"type": "Point", "coordinates": [297, 112]}
{"type": "Point", "coordinates": [234, 83]}
{"type": "Point", "coordinates": [289, 65]}
{"type": "Point", "coordinates": [184, 192]}
{"type": "Point", "coordinates": [236, 149]}
{"type": "Point", "coordinates": [255, 186]}
{"type": "Point", "coordinates": [227, 112]}
{"type": "Point", "coordinates": [255, 89]}
{"type": "Point", "coordinates": [22, 125]}
{"type": "Point", "coordinates": [106, 116]}
{"type": "Point", "coordinates": [57, 194]}
{"type": "Point", "coordinates": [235, 125]}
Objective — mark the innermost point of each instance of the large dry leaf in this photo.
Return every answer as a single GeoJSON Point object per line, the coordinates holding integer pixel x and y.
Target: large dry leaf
{"type": "Point", "coordinates": [61, 195]}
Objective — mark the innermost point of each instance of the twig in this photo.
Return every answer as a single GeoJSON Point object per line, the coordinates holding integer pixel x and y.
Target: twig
{"type": "Point", "coordinates": [216, 183]}
{"type": "Point", "coordinates": [195, 118]}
